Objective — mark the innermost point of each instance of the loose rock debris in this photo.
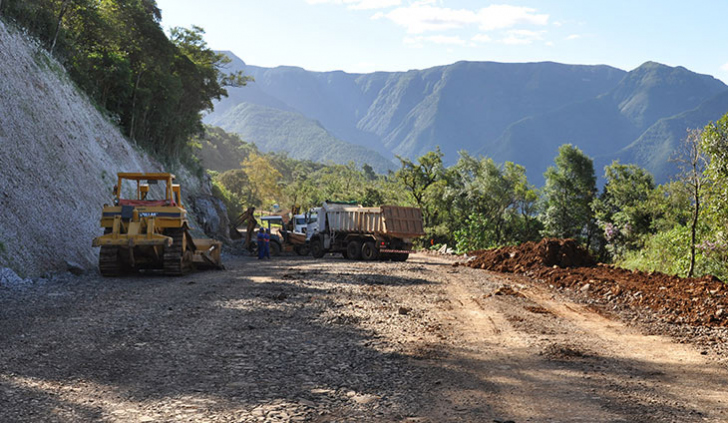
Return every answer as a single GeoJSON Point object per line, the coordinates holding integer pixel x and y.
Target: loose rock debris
{"type": "Point", "coordinates": [564, 264]}
{"type": "Point", "coordinates": [327, 341]}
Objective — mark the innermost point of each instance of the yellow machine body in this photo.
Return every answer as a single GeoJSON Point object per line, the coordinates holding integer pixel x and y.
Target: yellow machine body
{"type": "Point", "coordinates": [145, 233]}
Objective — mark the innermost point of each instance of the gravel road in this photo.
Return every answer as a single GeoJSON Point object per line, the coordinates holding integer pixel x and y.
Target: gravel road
{"type": "Point", "coordinates": [296, 339]}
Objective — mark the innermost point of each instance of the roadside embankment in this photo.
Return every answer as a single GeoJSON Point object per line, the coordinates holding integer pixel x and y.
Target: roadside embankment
{"type": "Point", "coordinates": [58, 160]}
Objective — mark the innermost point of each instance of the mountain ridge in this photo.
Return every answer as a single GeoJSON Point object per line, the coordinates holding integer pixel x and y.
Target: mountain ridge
{"type": "Point", "coordinates": [518, 112]}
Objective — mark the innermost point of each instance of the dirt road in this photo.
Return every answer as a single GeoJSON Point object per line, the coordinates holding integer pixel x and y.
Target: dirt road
{"type": "Point", "coordinates": [295, 339]}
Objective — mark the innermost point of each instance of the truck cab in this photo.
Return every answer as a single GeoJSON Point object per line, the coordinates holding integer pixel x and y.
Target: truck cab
{"type": "Point", "coordinates": [312, 222]}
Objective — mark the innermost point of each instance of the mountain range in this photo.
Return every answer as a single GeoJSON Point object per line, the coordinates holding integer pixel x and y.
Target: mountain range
{"type": "Point", "coordinates": [520, 112]}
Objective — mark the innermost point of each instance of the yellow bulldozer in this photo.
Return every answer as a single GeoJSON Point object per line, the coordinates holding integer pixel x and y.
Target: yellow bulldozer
{"type": "Point", "coordinates": [147, 228]}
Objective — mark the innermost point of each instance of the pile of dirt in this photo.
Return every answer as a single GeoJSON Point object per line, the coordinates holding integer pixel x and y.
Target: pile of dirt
{"type": "Point", "coordinates": [563, 264]}
{"type": "Point", "coordinates": [532, 255]}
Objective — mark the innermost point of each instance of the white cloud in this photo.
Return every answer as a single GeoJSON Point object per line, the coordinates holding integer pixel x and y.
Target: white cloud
{"type": "Point", "coordinates": [360, 4]}
{"type": "Point", "coordinates": [724, 67]}
{"type": "Point", "coordinates": [500, 16]}
{"type": "Point", "coordinates": [374, 4]}
{"type": "Point", "coordinates": [481, 38]}
{"type": "Point", "coordinates": [414, 42]}
{"type": "Point", "coordinates": [418, 42]}
{"type": "Point", "coordinates": [424, 2]}
{"type": "Point", "coordinates": [444, 39]}
{"type": "Point", "coordinates": [522, 37]}
{"type": "Point", "coordinates": [419, 18]}
{"type": "Point", "coordinates": [574, 37]}
{"type": "Point", "coordinates": [422, 16]}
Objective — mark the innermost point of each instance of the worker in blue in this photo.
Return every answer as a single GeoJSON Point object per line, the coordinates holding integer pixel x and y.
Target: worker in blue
{"type": "Point", "coordinates": [266, 243]}
{"type": "Point", "coordinates": [261, 243]}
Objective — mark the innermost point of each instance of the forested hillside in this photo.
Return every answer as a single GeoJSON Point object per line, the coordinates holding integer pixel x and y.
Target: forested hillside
{"type": "Point", "coordinates": [153, 86]}
{"type": "Point", "coordinates": [510, 112]}
{"type": "Point", "coordinates": [58, 158]}
{"type": "Point", "coordinates": [603, 126]}
{"type": "Point", "coordinates": [290, 132]}
{"type": "Point", "coordinates": [89, 89]}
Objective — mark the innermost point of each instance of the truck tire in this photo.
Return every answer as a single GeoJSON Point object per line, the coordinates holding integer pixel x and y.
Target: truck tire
{"type": "Point", "coordinates": [301, 250]}
{"type": "Point", "coordinates": [275, 248]}
{"type": "Point", "coordinates": [353, 250]}
{"type": "Point", "coordinates": [317, 248]}
{"type": "Point", "coordinates": [400, 257]}
{"type": "Point", "coordinates": [369, 251]}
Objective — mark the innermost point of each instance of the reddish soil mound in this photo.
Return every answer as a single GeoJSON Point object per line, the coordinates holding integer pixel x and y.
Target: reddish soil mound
{"type": "Point", "coordinates": [563, 264]}
{"type": "Point", "coordinates": [531, 255]}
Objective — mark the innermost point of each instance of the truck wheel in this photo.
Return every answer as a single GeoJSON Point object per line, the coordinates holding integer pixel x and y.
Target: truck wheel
{"type": "Point", "coordinates": [275, 249]}
{"type": "Point", "coordinates": [369, 251]}
{"type": "Point", "coordinates": [400, 257]}
{"type": "Point", "coordinates": [353, 250]}
{"type": "Point", "coordinates": [317, 248]}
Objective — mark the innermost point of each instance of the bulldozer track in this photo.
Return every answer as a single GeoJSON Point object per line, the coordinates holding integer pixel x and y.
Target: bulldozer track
{"type": "Point", "coordinates": [109, 261]}
{"type": "Point", "coordinates": [174, 263]}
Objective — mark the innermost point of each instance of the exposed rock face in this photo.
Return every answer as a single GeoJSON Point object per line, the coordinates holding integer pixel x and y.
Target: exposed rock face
{"type": "Point", "coordinates": [58, 162]}
{"type": "Point", "coordinates": [211, 215]}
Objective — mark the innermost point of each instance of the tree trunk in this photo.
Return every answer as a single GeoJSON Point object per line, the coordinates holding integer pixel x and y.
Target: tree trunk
{"type": "Point", "coordinates": [693, 228]}
{"type": "Point", "coordinates": [1, 7]}
{"type": "Point", "coordinates": [64, 7]}
{"type": "Point", "coordinates": [133, 106]}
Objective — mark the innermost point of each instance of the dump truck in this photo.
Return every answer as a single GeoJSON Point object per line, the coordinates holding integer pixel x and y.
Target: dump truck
{"type": "Point", "coordinates": [366, 233]}
{"type": "Point", "coordinates": [147, 229]}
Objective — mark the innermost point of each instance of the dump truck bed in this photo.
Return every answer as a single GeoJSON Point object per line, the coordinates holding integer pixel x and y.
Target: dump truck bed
{"type": "Point", "coordinates": [395, 221]}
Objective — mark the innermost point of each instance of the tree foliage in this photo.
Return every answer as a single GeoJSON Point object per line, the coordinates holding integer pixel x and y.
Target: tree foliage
{"type": "Point", "coordinates": [623, 210]}
{"type": "Point", "coordinates": [568, 194]}
{"type": "Point", "coordinates": [494, 205]}
{"type": "Point", "coordinates": [715, 145]}
{"type": "Point", "coordinates": [155, 87]}
{"type": "Point", "coordinates": [693, 160]}
{"type": "Point", "coordinates": [418, 177]}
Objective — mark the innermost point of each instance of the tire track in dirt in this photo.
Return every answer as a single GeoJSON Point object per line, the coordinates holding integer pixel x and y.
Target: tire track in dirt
{"type": "Point", "coordinates": [681, 367]}
{"type": "Point", "coordinates": [540, 357]}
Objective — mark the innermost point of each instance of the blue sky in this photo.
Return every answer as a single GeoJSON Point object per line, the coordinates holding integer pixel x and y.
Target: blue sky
{"type": "Point", "coordinates": [396, 35]}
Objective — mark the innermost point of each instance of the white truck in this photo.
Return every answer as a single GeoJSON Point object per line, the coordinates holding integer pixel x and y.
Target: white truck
{"type": "Point", "coordinates": [365, 233]}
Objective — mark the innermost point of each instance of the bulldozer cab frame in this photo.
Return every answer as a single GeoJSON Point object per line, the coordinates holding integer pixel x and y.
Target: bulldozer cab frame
{"type": "Point", "coordinates": [144, 233]}
{"type": "Point", "coordinates": [171, 191]}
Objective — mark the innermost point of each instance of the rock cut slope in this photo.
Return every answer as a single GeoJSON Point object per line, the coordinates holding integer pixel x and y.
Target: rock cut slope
{"type": "Point", "coordinates": [58, 161]}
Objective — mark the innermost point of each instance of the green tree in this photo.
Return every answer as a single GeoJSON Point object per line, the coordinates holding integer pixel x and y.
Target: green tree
{"type": "Point", "coordinates": [492, 205]}
{"type": "Point", "coordinates": [263, 180]}
{"type": "Point", "coordinates": [418, 177]}
{"type": "Point", "coordinates": [154, 87]}
{"type": "Point", "coordinates": [241, 191]}
{"type": "Point", "coordinates": [624, 210]}
{"type": "Point", "coordinates": [570, 188]}
{"type": "Point", "coordinates": [714, 214]}
{"type": "Point", "coordinates": [692, 160]}
{"type": "Point", "coordinates": [715, 145]}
